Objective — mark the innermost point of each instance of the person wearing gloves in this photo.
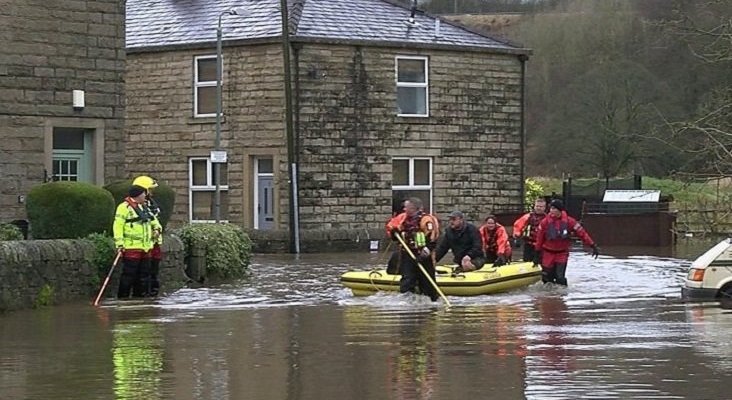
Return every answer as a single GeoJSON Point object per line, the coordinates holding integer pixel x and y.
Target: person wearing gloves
{"type": "Point", "coordinates": [526, 226]}
{"type": "Point", "coordinates": [135, 230]}
{"type": "Point", "coordinates": [156, 253]}
{"type": "Point", "coordinates": [494, 238]}
{"type": "Point", "coordinates": [553, 241]}
{"type": "Point", "coordinates": [419, 231]}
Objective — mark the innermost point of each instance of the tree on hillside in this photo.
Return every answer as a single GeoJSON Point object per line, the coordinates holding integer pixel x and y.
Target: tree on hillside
{"type": "Point", "coordinates": [706, 28]}
{"type": "Point", "coordinates": [605, 115]}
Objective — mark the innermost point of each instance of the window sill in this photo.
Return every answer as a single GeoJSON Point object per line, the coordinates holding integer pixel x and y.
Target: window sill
{"type": "Point", "coordinates": [204, 120]}
{"type": "Point", "coordinates": [412, 116]}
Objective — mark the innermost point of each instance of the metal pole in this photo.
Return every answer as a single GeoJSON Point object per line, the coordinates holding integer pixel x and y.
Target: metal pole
{"type": "Point", "coordinates": [289, 131]}
{"type": "Point", "coordinates": [217, 141]}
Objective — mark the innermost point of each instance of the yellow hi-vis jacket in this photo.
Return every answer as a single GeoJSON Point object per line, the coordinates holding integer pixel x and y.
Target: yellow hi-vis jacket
{"type": "Point", "coordinates": [135, 228]}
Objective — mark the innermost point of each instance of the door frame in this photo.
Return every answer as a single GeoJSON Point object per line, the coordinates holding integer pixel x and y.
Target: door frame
{"type": "Point", "coordinates": [97, 146]}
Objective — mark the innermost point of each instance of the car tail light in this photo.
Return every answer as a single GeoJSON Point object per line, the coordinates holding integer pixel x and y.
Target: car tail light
{"type": "Point", "coordinates": [696, 275]}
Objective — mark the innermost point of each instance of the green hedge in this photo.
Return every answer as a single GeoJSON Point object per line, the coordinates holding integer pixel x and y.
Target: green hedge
{"type": "Point", "coordinates": [69, 210]}
{"type": "Point", "coordinates": [228, 248]}
{"type": "Point", "coordinates": [10, 232]}
{"type": "Point", "coordinates": [164, 195]}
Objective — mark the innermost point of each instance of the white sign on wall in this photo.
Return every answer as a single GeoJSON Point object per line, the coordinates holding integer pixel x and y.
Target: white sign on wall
{"type": "Point", "coordinates": [218, 156]}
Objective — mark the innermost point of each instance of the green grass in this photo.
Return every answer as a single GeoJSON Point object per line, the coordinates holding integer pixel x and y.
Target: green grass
{"type": "Point", "coordinates": [681, 192]}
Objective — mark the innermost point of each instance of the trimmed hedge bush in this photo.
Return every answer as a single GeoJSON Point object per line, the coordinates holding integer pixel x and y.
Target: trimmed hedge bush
{"type": "Point", "coordinates": [10, 232]}
{"type": "Point", "coordinates": [164, 195]}
{"type": "Point", "coordinates": [69, 210]}
{"type": "Point", "coordinates": [228, 248]}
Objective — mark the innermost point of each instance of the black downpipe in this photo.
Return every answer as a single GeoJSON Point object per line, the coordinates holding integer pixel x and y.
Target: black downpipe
{"type": "Point", "coordinates": [523, 58]}
{"type": "Point", "coordinates": [289, 132]}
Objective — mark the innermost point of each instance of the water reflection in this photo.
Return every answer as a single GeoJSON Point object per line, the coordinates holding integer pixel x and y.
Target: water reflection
{"type": "Point", "coordinates": [137, 356]}
{"type": "Point", "coordinates": [291, 331]}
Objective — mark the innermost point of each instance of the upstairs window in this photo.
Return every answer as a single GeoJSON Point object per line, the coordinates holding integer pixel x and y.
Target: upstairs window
{"type": "Point", "coordinates": [412, 86]}
{"type": "Point", "coordinates": [204, 96]}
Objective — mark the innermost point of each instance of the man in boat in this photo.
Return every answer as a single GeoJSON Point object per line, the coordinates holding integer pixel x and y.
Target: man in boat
{"type": "Point", "coordinates": [494, 241]}
{"type": "Point", "coordinates": [135, 230]}
{"type": "Point", "coordinates": [525, 227]}
{"type": "Point", "coordinates": [419, 231]}
{"type": "Point", "coordinates": [463, 239]}
{"type": "Point", "coordinates": [553, 240]}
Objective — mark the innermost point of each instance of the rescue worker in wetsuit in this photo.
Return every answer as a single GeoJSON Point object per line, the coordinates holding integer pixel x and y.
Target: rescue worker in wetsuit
{"type": "Point", "coordinates": [494, 241]}
{"type": "Point", "coordinates": [420, 231]}
{"type": "Point", "coordinates": [156, 254]}
{"type": "Point", "coordinates": [135, 230]}
{"type": "Point", "coordinates": [553, 240]}
{"type": "Point", "coordinates": [463, 239]}
{"type": "Point", "coordinates": [525, 227]}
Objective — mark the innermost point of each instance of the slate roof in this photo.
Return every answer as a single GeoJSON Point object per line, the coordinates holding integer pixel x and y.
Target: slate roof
{"type": "Point", "coordinates": [152, 24]}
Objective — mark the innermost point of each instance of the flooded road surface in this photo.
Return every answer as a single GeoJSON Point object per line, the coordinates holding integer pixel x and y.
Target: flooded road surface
{"type": "Point", "coordinates": [291, 331]}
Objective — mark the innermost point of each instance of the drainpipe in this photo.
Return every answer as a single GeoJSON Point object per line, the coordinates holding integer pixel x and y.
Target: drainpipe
{"type": "Point", "coordinates": [289, 133]}
{"type": "Point", "coordinates": [523, 58]}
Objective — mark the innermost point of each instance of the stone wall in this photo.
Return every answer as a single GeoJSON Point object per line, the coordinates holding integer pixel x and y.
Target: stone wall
{"type": "Point", "coordinates": [48, 50]}
{"type": "Point", "coordinates": [347, 128]}
{"type": "Point", "coordinates": [163, 134]}
{"type": "Point", "coordinates": [59, 271]}
{"type": "Point", "coordinates": [349, 132]}
{"type": "Point", "coordinates": [318, 241]}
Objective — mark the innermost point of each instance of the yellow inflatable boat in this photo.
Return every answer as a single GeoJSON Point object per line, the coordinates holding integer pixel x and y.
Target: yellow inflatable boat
{"type": "Point", "coordinates": [486, 280]}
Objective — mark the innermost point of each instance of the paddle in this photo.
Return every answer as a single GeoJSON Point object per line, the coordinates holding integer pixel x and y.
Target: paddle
{"type": "Point", "coordinates": [424, 271]}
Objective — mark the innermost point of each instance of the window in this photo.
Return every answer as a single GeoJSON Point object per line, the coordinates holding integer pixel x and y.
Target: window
{"type": "Point", "coordinates": [411, 177]}
{"type": "Point", "coordinates": [412, 84]}
{"type": "Point", "coordinates": [204, 97]}
{"type": "Point", "coordinates": [71, 157]}
{"type": "Point", "coordinates": [202, 183]}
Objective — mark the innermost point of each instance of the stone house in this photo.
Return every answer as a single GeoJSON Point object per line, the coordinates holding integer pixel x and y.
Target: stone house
{"type": "Point", "coordinates": [382, 102]}
{"type": "Point", "coordinates": [62, 107]}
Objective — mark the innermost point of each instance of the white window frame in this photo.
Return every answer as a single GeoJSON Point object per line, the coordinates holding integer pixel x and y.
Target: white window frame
{"type": "Point", "coordinates": [197, 84]}
{"type": "Point", "coordinates": [411, 185]}
{"type": "Point", "coordinates": [210, 186]}
{"type": "Point", "coordinates": [425, 85]}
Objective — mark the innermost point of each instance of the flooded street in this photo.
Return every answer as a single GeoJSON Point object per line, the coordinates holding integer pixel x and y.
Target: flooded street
{"type": "Point", "coordinates": [291, 331]}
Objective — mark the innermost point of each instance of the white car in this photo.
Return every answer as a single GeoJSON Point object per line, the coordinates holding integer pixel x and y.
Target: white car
{"type": "Point", "coordinates": [710, 275]}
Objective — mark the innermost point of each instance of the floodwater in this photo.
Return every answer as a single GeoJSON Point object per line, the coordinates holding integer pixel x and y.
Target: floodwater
{"type": "Point", "coordinates": [291, 331]}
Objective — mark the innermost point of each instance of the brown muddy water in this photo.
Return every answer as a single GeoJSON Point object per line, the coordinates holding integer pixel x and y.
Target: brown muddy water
{"type": "Point", "coordinates": [291, 331]}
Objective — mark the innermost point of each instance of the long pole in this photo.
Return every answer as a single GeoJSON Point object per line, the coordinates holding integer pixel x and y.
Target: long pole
{"type": "Point", "coordinates": [424, 271]}
{"type": "Point", "coordinates": [217, 141]}
{"type": "Point", "coordinates": [289, 131]}
{"type": "Point", "coordinates": [106, 280]}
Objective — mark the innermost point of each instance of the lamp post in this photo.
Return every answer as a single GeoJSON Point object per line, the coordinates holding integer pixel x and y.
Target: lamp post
{"type": "Point", "coordinates": [217, 140]}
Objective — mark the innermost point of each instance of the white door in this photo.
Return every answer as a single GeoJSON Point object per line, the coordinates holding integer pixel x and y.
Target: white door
{"type": "Point", "coordinates": [264, 194]}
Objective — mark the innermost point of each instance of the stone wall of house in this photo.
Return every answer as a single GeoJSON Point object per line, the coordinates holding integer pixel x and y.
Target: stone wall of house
{"type": "Point", "coordinates": [347, 126]}
{"type": "Point", "coordinates": [349, 132]}
{"type": "Point", "coordinates": [48, 50]}
{"type": "Point", "coordinates": [41, 272]}
{"type": "Point", "coordinates": [163, 134]}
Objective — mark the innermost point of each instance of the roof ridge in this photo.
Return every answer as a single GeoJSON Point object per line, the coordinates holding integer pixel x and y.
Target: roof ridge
{"type": "Point", "coordinates": [406, 6]}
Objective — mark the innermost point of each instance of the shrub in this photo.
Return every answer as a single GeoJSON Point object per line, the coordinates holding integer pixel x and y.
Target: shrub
{"type": "Point", "coordinates": [164, 195]}
{"type": "Point", "coordinates": [228, 248]}
{"type": "Point", "coordinates": [532, 191]}
{"type": "Point", "coordinates": [104, 253]}
{"type": "Point", "coordinates": [69, 210]}
{"type": "Point", "coordinates": [10, 232]}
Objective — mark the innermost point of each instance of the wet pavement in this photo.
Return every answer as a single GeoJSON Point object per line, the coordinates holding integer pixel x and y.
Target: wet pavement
{"type": "Point", "coordinates": [291, 331]}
